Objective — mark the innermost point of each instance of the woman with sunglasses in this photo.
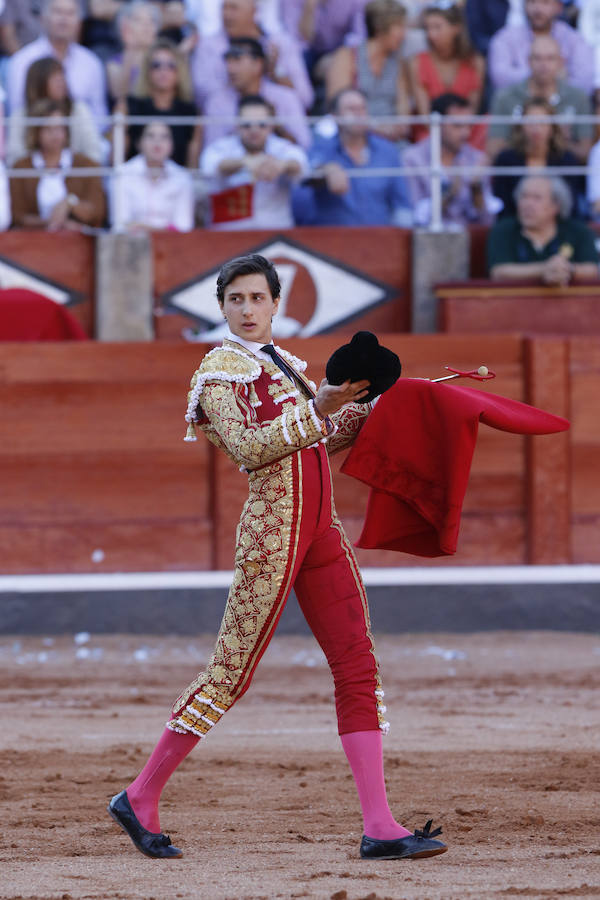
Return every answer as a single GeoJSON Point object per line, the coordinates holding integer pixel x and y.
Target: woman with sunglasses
{"type": "Point", "coordinates": [164, 89]}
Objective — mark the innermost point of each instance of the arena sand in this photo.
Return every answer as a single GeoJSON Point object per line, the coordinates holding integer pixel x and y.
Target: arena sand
{"type": "Point", "coordinates": [494, 735]}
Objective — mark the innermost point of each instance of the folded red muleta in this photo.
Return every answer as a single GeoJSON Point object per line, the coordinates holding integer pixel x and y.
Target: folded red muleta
{"type": "Point", "coordinates": [415, 453]}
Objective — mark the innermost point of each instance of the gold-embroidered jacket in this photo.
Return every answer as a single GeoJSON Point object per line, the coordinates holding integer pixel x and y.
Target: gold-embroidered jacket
{"type": "Point", "coordinates": [257, 415]}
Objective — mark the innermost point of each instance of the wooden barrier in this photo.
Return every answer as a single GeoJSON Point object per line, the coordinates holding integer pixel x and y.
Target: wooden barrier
{"type": "Point", "coordinates": [65, 260]}
{"type": "Point", "coordinates": [97, 477]}
{"type": "Point", "coordinates": [493, 307]}
{"type": "Point", "coordinates": [318, 259]}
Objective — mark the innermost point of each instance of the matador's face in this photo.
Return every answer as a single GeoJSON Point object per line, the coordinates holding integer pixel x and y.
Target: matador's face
{"type": "Point", "coordinates": [249, 307]}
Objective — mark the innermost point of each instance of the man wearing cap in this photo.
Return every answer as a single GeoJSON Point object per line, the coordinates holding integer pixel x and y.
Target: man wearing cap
{"type": "Point", "coordinates": [239, 18]}
{"type": "Point", "coordinates": [508, 60]}
{"type": "Point", "coordinates": [246, 66]}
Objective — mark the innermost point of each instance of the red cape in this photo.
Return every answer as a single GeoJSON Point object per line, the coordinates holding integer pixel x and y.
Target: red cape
{"type": "Point", "coordinates": [28, 316]}
{"type": "Point", "coordinates": [415, 453]}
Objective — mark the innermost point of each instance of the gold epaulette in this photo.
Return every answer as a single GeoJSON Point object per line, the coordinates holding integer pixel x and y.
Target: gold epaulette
{"type": "Point", "coordinates": [221, 364]}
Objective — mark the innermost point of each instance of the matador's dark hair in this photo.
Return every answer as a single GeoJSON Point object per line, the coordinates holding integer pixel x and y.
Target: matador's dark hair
{"type": "Point", "coordinates": [252, 264]}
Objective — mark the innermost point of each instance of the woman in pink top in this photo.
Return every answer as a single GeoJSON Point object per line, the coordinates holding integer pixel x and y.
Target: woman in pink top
{"type": "Point", "coordinates": [450, 64]}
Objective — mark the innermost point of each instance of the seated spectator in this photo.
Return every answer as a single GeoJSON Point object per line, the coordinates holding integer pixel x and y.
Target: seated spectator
{"type": "Point", "coordinates": [484, 20]}
{"type": "Point", "coordinates": [4, 199]}
{"type": "Point", "coordinates": [542, 242]}
{"type": "Point", "coordinates": [509, 50]}
{"type": "Point", "coordinates": [61, 20]}
{"type": "Point", "coordinates": [152, 192]}
{"type": "Point", "coordinates": [322, 26]}
{"type": "Point", "coordinates": [536, 144]}
{"type": "Point", "coordinates": [246, 65]}
{"type": "Point", "coordinates": [206, 15]}
{"type": "Point", "coordinates": [545, 82]}
{"type": "Point", "coordinates": [178, 25]}
{"type": "Point", "coordinates": [284, 63]}
{"type": "Point", "coordinates": [55, 200]}
{"type": "Point", "coordinates": [46, 80]}
{"type": "Point", "coordinates": [449, 66]}
{"type": "Point", "coordinates": [164, 89]}
{"type": "Point", "coordinates": [593, 182]}
{"type": "Point", "coordinates": [138, 23]}
{"type": "Point", "coordinates": [2, 122]}
{"type": "Point", "coordinates": [376, 66]}
{"type": "Point", "coordinates": [19, 24]}
{"type": "Point", "coordinates": [99, 31]}
{"type": "Point", "coordinates": [256, 157]}
{"type": "Point", "coordinates": [466, 199]}
{"type": "Point", "coordinates": [332, 196]}
{"type": "Point", "coordinates": [588, 26]}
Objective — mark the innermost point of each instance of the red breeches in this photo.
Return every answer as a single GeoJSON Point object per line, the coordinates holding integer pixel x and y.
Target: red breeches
{"type": "Point", "coordinates": [317, 560]}
{"type": "Point", "coordinates": [332, 598]}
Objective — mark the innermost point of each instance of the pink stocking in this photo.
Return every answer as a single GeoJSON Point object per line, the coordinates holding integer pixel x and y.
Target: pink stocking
{"type": "Point", "coordinates": [365, 755]}
{"type": "Point", "coordinates": [144, 793]}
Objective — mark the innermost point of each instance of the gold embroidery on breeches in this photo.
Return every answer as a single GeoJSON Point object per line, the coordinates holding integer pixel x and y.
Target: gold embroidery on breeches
{"type": "Point", "coordinates": [266, 544]}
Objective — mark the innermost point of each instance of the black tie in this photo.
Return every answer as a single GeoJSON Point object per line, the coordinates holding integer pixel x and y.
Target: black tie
{"type": "Point", "coordinates": [287, 370]}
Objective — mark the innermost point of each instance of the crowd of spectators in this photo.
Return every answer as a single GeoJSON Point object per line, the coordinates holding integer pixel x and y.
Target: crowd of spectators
{"type": "Point", "coordinates": [299, 99]}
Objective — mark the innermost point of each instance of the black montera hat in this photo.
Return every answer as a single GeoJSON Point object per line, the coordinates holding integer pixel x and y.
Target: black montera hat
{"type": "Point", "coordinates": [364, 358]}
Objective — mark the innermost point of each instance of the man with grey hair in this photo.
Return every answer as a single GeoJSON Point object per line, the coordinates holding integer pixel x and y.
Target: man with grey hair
{"type": "Point", "coordinates": [61, 20]}
{"type": "Point", "coordinates": [542, 242]}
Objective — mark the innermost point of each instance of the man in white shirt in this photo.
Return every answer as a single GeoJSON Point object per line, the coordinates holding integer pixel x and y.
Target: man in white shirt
{"type": "Point", "coordinates": [257, 158]}
{"type": "Point", "coordinates": [61, 20]}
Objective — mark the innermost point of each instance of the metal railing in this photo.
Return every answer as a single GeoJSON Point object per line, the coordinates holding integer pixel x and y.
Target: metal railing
{"type": "Point", "coordinates": [118, 124]}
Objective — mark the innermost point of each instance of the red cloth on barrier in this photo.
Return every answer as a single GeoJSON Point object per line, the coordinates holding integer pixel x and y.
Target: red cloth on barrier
{"type": "Point", "coordinates": [415, 453]}
{"type": "Point", "coordinates": [28, 316]}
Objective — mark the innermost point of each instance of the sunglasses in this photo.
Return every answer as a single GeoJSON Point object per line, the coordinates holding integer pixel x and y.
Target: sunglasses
{"type": "Point", "coordinates": [163, 64]}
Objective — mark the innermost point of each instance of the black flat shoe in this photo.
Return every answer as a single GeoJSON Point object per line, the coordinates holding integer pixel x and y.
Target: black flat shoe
{"type": "Point", "coordinates": [158, 846]}
{"type": "Point", "coordinates": [414, 846]}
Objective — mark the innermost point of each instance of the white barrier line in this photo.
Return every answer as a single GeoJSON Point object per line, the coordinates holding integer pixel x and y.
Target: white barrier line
{"type": "Point", "coordinates": [373, 577]}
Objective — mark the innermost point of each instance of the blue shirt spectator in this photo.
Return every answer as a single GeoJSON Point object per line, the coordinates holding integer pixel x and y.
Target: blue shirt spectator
{"type": "Point", "coordinates": [331, 196]}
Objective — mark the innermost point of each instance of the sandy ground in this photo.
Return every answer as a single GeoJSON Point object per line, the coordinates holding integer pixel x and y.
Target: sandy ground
{"type": "Point", "coordinates": [495, 736]}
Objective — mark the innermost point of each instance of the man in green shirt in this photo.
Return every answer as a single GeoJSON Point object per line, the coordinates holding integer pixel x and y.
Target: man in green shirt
{"type": "Point", "coordinates": [542, 242]}
{"type": "Point", "coordinates": [545, 82]}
